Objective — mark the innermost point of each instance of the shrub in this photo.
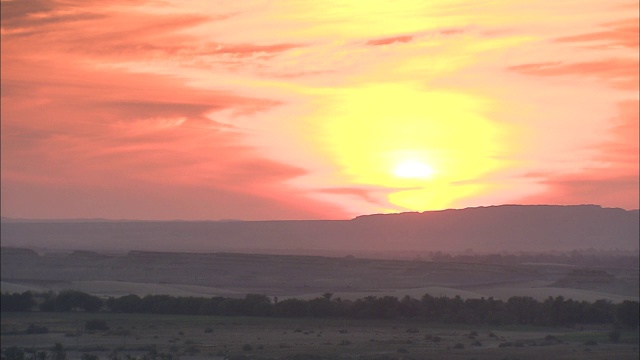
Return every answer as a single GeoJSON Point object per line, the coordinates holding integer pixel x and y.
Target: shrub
{"type": "Point", "coordinates": [458, 346]}
{"type": "Point", "coordinates": [93, 348]}
{"type": "Point", "coordinates": [192, 350]}
{"type": "Point", "coordinates": [614, 336]}
{"type": "Point", "coordinates": [13, 353]}
{"type": "Point", "coordinates": [148, 348]}
{"type": "Point", "coordinates": [208, 330]}
{"type": "Point", "coordinates": [35, 329]}
{"type": "Point", "coordinates": [590, 342]}
{"type": "Point", "coordinates": [403, 350]}
{"type": "Point", "coordinates": [95, 324]}
{"type": "Point", "coordinates": [345, 342]}
{"type": "Point", "coordinates": [58, 352]}
{"type": "Point", "coordinates": [16, 302]}
{"type": "Point", "coordinates": [412, 331]}
{"type": "Point", "coordinates": [68, 300]}
{"type": "Point", "coordinates": [247, 347]}
{"type": "Point", "coordinates": [120, 332]}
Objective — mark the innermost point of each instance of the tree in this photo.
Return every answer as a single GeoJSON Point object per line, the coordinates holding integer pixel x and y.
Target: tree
{"type": "Point", "coordinates": [95, 324]}
{"type": "Point", "coordinates": [256, 305]}
{"type": "Point", "coordinates": [523, 309]}
{"type": "Point", "coordinates": [291, 308]}
{"type": "Point", "coordinates": [16, 302]}
{"type": "Point", "coordinates": [70, 299]}
{"type": "Point", "coordinates": [126, 304]}
{"type": "Point", "coordinates": [319, 307]}
{"type": "Point", "coordinates": [409, 307]}
{"type": "Point", "coordinates": [13, 353]}
{"type": "Point", "coordinates": [614, 336]}
{"type": "Point", "coordinates": [58, 352]}
{"type": "Point", "coordinates": [627, 313]}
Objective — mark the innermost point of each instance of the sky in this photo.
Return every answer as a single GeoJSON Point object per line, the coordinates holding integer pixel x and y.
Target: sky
{"type": "Point", "coordinates": [262, 110]}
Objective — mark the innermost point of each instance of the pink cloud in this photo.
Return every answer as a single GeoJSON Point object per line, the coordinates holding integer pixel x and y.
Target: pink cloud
{"type": "Point", "coordinates": [452, 31]}
{"type": "Point", "coordinates": [391, 40]}
{"type": "Point", "coordinates": [614, 183]}
{"type": "Point", "coordinates": [80, 140]}
{"type": "Point", "coordinates": [243, 50]}
{"type": "Point", "coordinates": [619, 72]}
{"type": "Point", "coordinates": [621, 33]}
{"type": "Point", "coordinates": [594, 187]}
{"type": "Point", "coordinates": [368, 195]}
{"type": "Point", "coordinates": [622, 147]}
{"type": "Point", "coordinates": [101, 105]}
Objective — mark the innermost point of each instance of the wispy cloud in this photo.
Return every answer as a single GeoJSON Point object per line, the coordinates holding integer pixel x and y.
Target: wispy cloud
{"type": "Point", "coordinates": [391, 40]}
{"type": "Point", "coordinates": [619, 33]}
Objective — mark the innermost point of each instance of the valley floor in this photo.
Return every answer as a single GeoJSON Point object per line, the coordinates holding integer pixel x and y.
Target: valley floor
{"type": "Point", "coordinates": [201, 337]}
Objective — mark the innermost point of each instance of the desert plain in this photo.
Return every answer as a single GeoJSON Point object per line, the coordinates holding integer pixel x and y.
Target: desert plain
{"type": "Point", "coordinates": [307, 277]}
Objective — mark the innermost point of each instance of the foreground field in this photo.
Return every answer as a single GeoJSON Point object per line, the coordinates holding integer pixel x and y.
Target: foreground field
{"type": "Point", "coordinates": [200, 337]}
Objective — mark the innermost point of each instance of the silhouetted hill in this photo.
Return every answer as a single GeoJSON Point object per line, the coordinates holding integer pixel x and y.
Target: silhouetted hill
{"type": "Point", "coordinates": [483, 229]}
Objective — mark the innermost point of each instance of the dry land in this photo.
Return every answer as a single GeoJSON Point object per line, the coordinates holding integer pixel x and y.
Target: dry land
{"type": "Point", "coordinates": [200, 337]}
{"type": "Point", "coordinates": [235, 275]}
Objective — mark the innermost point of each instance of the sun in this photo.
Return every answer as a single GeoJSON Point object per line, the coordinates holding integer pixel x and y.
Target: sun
{"type": "Point", "coordinates": [425, 146]}
{"type": "Point", "coordinates": [413, 169]}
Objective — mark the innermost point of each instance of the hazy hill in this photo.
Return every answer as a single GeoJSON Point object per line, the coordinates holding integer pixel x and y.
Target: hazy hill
{"type": "Point", "coordinates": [483, 229]}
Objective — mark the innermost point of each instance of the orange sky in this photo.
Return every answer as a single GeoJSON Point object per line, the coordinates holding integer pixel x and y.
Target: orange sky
{"type": "Point", "coordinates": [315, 109]}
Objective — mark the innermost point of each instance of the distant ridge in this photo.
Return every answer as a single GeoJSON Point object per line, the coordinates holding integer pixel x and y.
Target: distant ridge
{"type": "Point", "coordinates": [5, 219]}
{"type": "Point", "coordinates": [504, 206]}
{"type": "Point", "coordinates": [482, 229]}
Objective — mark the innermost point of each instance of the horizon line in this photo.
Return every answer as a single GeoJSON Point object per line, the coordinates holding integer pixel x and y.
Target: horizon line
{"type": "Point", "coordinates": [9, 219]}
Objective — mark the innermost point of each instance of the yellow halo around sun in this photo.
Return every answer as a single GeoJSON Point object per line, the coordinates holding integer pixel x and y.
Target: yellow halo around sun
{"type": "Point", "coordinates": [425, 146]}
{"type": "Point", "coordinates": [413, 169]}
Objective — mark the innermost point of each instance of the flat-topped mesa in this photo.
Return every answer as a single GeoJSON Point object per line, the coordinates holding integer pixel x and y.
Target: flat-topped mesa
{"type": "Point", "coordinates": [505, 207]}
{"type": "Point", "coordinates": [534, 228]}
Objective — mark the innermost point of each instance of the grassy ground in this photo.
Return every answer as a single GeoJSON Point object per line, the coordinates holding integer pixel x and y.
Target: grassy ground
{"type": "Point", "coordinates": [263, 338]}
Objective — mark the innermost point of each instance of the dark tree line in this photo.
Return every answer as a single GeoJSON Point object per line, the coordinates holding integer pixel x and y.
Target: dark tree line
{"type": "Point", "coordinates": [17, 302]}
{"type": "Point", "coordinates": [556, 311]}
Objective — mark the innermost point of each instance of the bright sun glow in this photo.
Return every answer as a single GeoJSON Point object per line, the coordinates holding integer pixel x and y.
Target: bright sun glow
{"type": "Point", "coordinates": [399, 136]}
{"type": "Point", "coordinates": [413, 169]}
